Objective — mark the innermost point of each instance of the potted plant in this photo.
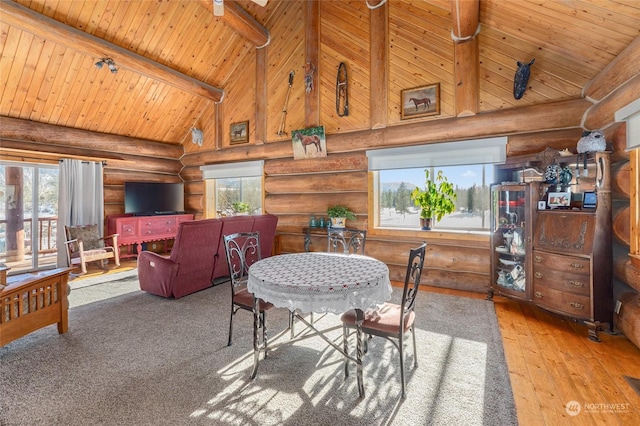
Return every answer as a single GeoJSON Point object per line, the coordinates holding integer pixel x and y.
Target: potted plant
{"type": "Point", "coordinates": [240, 208]}
{"type": "Point", "coordinates": [339, 215]}
{"type": "Point", "coordinates": [435, 200]}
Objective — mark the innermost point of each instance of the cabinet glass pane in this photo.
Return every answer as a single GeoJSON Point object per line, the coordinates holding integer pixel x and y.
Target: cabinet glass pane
{"type": "Point", "coordinates": [508, 238]}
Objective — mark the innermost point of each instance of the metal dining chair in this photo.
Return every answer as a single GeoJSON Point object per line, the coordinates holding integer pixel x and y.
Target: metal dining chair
{"type": "Point", "coordinates": [346, 240]}
{"type": "Point", "coordinates": [243, 250]}
{"type": "Point", "coordinates": [392, 321]}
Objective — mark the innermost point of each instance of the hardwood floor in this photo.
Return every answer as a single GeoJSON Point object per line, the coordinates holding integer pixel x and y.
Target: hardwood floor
{"type": "Point", "coordinates": [552, 363]}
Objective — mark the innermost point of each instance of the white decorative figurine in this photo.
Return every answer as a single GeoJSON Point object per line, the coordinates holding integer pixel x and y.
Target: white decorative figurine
{"type": "Point", "coordinates": [593, 141]}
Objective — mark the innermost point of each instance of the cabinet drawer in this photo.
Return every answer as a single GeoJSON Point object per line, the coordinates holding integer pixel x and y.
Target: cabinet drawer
{"type": "Point", "coordinates": [552, 263]}
{"type": "Point", "coordinates": [158, 226]}
{"type": "Point", "coordinates": [127, 229]}
{"type": "Point", "coordinates": [570, 304]}
{"type": "Point", "coordinates": [562, 281]}
{"type": "Point", "coordinates": [562, 273]}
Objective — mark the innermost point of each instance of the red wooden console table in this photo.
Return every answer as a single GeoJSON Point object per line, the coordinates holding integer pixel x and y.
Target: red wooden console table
{"type": "Point", "coordinates": [135, 230]}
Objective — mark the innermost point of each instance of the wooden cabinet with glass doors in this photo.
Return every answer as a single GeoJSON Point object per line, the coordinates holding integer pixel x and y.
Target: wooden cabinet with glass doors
{"type": "Point", "coordinates": [557, 255]}
{"type": "Point", "coordinates": [511, 240]}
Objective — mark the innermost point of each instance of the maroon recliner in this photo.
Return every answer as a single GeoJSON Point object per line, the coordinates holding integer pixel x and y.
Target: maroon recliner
{"type": "Point", "coordinates": [190, 266]}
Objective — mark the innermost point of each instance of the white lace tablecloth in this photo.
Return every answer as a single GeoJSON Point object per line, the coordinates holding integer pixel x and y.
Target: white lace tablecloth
{"type": "Point", "coordinates": [320, 282]}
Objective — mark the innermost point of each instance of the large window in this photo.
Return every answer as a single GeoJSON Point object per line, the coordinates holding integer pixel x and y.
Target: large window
{"type": "Point", "coordinates": [28, 216]}
{"type": "Point", "coordinates": [471, 183]}
{"type": "Point", "coordinates": [233, 189]}
{"type": "Point", "coordinates": [468, 165]}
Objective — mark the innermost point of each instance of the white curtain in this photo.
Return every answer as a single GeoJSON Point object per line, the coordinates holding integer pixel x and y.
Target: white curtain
{"type": "Point", "coordinates": [80, 199]}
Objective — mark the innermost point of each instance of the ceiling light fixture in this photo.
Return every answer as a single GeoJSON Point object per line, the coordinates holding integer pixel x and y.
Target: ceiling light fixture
{"type": "Point", "coordinates": [109, 62]}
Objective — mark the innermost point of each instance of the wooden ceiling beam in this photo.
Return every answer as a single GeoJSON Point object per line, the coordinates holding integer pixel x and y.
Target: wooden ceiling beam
{"type": "Point", "coordinates": [241, 22]}
{"type": "Point", "coordinates": [42, 26]}
{"type": "Point", "coordinates": [312, 61]}
{"type": "Point", "coordinates": [379, 69]}
{"type": "Point", "coordinates": [30, 131]}
{"type": "Point", "coordinates": [465, 15]}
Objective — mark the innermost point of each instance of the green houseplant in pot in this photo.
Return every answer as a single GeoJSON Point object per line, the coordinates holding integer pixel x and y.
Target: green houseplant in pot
{"type": "Point", "coordinates": [339, 215]}
{"type": "Point", "coordinates": [240, 208]}
{"type": "Point", "coordinates": [435, 200]}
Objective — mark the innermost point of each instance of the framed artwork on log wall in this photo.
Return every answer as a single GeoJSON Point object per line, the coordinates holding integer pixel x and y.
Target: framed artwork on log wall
{"type": "Point", "coordinates": [239, 132]}
{"type": "Point", "coordinates": [420, 101]}
{"type": "Point", "coordinates": [309, 143]}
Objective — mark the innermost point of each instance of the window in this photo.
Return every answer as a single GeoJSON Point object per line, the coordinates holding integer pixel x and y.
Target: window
{"type": "Point", "coordinates": [232, 189]}
{"type": "Point", "coordinates": [468, 165]}
{"type": "Point", "coordinates": [28, 216]}
{"type": "Point", "coordinates": [471, 183]}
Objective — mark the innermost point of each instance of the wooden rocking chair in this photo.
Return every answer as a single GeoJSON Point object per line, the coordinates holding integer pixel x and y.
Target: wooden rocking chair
{"type": "Point", "coordinates": [85, 245]}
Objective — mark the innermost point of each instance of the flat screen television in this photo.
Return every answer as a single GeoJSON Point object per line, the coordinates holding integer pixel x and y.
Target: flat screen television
{"type": "Point", "coordinates": [153, 198]}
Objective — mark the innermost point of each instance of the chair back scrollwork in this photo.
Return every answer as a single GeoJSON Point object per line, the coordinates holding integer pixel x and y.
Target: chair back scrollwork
{"type": "Point", "coordinates": [243, 250]}
{"type": "Point", "coordinates": [412, 278]}
{"type": "Point", "coordinates": [347, 241]}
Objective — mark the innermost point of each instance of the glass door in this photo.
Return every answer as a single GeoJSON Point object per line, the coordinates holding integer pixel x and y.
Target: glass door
{"type": "Point", "coordinates": [510, 240]}
{"type": "Point", "coordinates": [28, 216]}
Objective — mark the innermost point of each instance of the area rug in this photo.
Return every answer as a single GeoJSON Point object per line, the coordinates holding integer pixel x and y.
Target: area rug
{"type": "Point", "coordinates": [131, 358]}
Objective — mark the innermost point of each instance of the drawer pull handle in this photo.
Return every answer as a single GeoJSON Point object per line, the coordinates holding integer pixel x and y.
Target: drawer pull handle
{"type": "Point", "coordinates": [575, 305]}
{"type": "Point", "coordinates": [538, 258]}
{"type": "Point", "coordinates": [539, 275]}
{"type": "Point", "coordinates": [577, 284]}
{"type": "Point", "coordinates": [539, 295]}
{"type": "Point", "coordinates": [577, 265]}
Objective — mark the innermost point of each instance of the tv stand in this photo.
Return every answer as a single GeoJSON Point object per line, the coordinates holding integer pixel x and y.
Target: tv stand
{"type": "Point", "coordinates": [135, 230]}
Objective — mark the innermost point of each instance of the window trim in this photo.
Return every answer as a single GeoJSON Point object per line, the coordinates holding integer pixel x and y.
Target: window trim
{"type": "Point", "coordinates": [233, 170]}
{"type": "Point", "coordinates": [457, 153]}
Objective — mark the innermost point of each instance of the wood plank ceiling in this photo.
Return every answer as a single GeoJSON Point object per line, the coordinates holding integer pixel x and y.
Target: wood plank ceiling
{"type": "Point", "coordinates": [47, 82]}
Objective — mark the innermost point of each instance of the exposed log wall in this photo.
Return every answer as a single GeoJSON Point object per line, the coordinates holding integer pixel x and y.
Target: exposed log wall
{"type": "Point", "coordinates": [127, 159]}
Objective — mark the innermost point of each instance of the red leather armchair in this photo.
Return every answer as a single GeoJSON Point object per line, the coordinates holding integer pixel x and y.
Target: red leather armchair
{"type": "Point", "coordinates": [190, 266]}
{"type": "Point", "coordinates": [198, 255]}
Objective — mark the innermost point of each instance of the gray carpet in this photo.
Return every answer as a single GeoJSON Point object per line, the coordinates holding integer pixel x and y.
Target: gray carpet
{"type": "Point", "coordinates": [131, 358]}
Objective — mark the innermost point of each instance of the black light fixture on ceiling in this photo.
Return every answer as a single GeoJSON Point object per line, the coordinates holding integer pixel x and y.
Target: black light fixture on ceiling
{"type": "Point", "coordinates": [109, 62]}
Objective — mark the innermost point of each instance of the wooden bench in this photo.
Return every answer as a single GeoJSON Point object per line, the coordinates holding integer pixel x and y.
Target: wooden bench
{"type": "Point", "coordinates": [32, 301]}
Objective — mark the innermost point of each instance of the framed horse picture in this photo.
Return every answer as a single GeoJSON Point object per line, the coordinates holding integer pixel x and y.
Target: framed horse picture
{"type": "Point", "coordinates": [420, 101]}
{"type": "Point", "coordinates": [239, 132]}
{"type": "Point", "coordinates": [309, 143]}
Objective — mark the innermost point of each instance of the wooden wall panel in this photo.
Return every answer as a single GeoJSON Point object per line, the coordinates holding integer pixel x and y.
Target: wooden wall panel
{"type": "Point", "coordinates": [341, 22]}
{"type": "Point", "coordinates": [285, 53]}
{"type": "Point", "coordinates": [239, 104]}
{"type": "Point", "coordinates": [419, 56]}
{"type": "Point", "coordinates": [312, 204]}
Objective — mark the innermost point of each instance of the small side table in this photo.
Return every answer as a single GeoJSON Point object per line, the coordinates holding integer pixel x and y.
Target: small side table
{"type": "Point", "coordinates": [315, 230]}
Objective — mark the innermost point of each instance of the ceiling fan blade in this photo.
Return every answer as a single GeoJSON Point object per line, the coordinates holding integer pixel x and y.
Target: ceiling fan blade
{"type": "Point", "coordinates": [260, 2]}
{"type": "Point", "coordinates": [218, 8]}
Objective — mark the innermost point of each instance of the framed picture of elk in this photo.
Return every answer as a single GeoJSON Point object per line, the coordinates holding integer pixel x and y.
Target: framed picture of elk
{"type": "Point", "coordinates": [309, 143]}
{"type": "Point", "coordinates": [420, 101]}
{"type": "Point", "coordinates": [239, 132]}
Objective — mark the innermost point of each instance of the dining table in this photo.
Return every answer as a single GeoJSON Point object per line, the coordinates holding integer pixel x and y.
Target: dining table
{"type": "Point", "coordinates": [319, 282]}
